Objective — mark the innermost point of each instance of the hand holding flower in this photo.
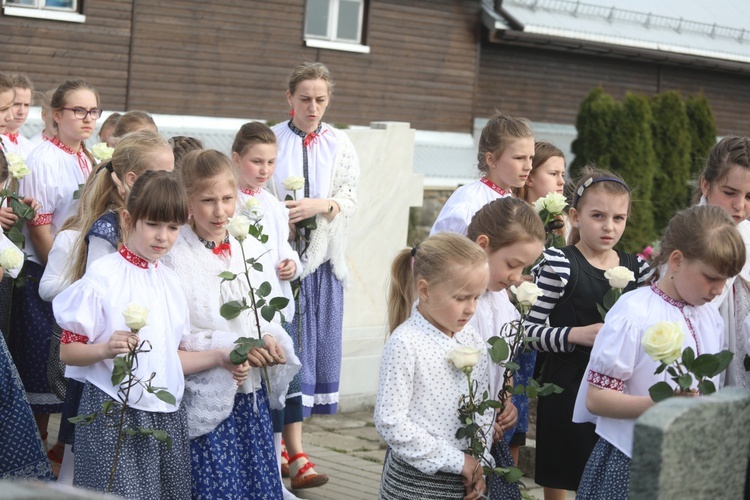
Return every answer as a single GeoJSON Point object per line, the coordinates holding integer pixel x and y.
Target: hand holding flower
{"type": "Point", "coordinates": [120, 342]}
{"type": "Point", "coordinates": [286, 269]}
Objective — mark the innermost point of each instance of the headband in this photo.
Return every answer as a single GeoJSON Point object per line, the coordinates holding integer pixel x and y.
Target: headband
{"type": "Point", "coordinates": [590, 181]}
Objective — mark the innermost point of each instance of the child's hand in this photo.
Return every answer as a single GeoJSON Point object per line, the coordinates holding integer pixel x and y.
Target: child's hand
{"type": "Point", "coordinates": [120, 343]}
{"type": "Point", "coordinates": [239, 372]}
{"type": "Point", "coordinates": [275, 350]}
{"type": "Point", "coordinates": [292, 232]}
{"type": "Point", "coordinates": [287, 268]}
{"type": "Point", "coordinates": [259, 357]}
{"type": "Point", "coordinates": [473, 478]}
{"type": "Point", "coordinates": [505, 420]}
{"type": "Point", "coordinates": [7, 218]}
{"type": "Point", "coordinates": [33, 204]}
{"type": "Point", "coordinates": [584, 335]}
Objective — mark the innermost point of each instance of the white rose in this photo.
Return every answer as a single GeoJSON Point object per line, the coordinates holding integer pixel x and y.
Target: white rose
{"type": "Point", "coordinates": [239, 226]}
{"type": "Point", "coordinates": [663, 341]}
{"type": "Point", "coordinates": [619, 277]}
{"type": "Point", "coordinates": [251, 202]}
{"type": "Point", "coordinates": [527, 293]}
{"type": "Point", "coordinates": [102, 151]}
{"type": "Point", "coordinates": [255, 214]}
{"type": "Point", "coordinates": [11, 258]}
{"type": "Point", "coordinates": [16, 165]}
{"type": "Point", "coordinates": [135, 316]}
{"type": "Point", "coordinates": [293, 183]}
{"type": "Point", "coordinates": [464, 357]}
{"type": "Point", "coordinates": [554, 203]}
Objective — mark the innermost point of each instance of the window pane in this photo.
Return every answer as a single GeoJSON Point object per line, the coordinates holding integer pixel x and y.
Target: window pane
{"type": "Point", "coordinates": [316, 22]}
{"type": "Point", "coordinates": [61, 4]}
{"type": "Point", "coordinates": [348, 25]}
{"type": "Point", "coordinates": [20, 2]}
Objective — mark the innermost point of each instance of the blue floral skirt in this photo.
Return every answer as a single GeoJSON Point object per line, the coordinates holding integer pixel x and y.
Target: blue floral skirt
{"type": "Point", "coordinates": [607, 474]}
{"type": "Point", "coordinates": [22, 454]}
{"type": "Point", "coordinates": [237, 460]}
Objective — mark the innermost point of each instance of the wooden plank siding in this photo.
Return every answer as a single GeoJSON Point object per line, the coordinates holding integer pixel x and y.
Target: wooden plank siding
{"type": "Point", "coordinates": [53, 51]}
{"type": "Point", "coordinates": [232, 58]}
{"type": "Point", "coordinates": [549, 85]}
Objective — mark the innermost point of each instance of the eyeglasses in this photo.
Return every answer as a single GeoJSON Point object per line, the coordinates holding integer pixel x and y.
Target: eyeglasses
{"type": "Point", "coordinates": [81, 113]}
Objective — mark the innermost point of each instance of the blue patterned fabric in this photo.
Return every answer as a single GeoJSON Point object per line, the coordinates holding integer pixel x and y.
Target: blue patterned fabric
{"type": "Point", "coordinates": [497, 487]}
{"type": "Point", "coordinates": [527, 360]}
{"type": "Point", "coordinates": [22, 454]}
{"type": "Point", "coordinates": [237, 460]}
{"type": "Point", "coordinates": [106, 227]}
{"type": "Point", "coordinates": [31, 330]}
{"type": "Point", "coordinates": [607, 474]}
{"type": "Point", "coordinates": [322, 312]}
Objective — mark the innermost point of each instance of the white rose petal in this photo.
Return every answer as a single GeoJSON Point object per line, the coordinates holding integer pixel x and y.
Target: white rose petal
{"type": "Point", "coordinates": [255, 214]}
{"type": "Point", "coordinates": [527, 293]}
{"type": "Point", "coordinates": [664, 341]}
{"type": "Point", "coordinates": [136, 316]}
{"type": "Point", "coordinates": [293, 183]}
{"type": "Point", "coordinates": [239, 226]}
{"type": "Point", "coordinates": [11, 258]}
{"type": "Point", "coordinates": [619, 277]}
{"type": "Point", "coordinates": [555, 203]}
{"type": "Point", "coordinates": [539, 205]}
{"type": "Point", "coordinates": [251, 202]}
{"type": "Point", "coordinates": [102, 151]}
{"type": "Point", "coordinates": [17, 166]}
{"type": "Point", "coordinates": [464, 357]}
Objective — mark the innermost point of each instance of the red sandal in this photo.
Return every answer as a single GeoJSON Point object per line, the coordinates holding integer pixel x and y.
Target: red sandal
{"type": "Point", "coordinates": [299, 480]}
{"type": "Point", "coordinates": [284, 460]}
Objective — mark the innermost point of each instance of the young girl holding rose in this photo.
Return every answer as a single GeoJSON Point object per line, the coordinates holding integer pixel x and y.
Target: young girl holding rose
{"type": "Point", "coordinates": [231, 437]}
{"type": "Point", "coordinates": [506, 148]}
{"type": "Point", "coordinates": [701, 250]}
{"type": "Point", "coordinates": [95, 330]}
{"type": "Point", "coordinates": [573, 281]}
{"type": "Point", "coordinates": [512, 234]}
{"type": "Point", "coordinates": [420, 388]}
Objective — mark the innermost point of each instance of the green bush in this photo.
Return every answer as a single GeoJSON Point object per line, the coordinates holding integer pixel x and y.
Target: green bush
{"type": "Point", "coordinates": [672, 146]}
{"type": "Point", "coordinates": [702, 131]}
{"type": "Point", "coordinates": [594, 124]}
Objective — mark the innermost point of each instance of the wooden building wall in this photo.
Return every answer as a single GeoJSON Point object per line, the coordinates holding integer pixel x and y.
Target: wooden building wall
{"type": "Point", "coordinates": [232, 58]}
{"type": "Point", "coordinates": [53, 51]}
{"type": "Point", "coordinates": [549, 85]}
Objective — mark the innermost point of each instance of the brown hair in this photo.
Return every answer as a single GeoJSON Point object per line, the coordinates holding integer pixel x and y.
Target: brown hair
{"type": "Point", "coordinates": [499, 131]}
{"type": "Point", "coordinates": [111, 121]}
{"type": "Point", "coordinates": [6, 83]}
{"type": "Point", "coordinates": [159, 196]}
{"type": "Point", "coordinates": [4, 172]}
{"type": "Point", "coordinates": [59, 100]}
{"type": "Point", "coordinates": [433, 260]}
{"type": "Point", "coordinates": [133, 121]}
{"type": "Point", "coordinates": [731, 151]}
{"type": "Point", "coordinates": [199, 168]}
{"type": "Point", "coordinates": [22, 81]}
{"type": "Point", "coordinates": [309, 71]}
{"type": "Point", "coordinates": [101, 194]}
{"type": "Point", "coordinates": [543, 151]}
{"type": "Point", "coordinates": [704, 233]}
{"type": "Point", "coordinates": [506, 221]}
{"type": "Point", "coordinates": [594, 179]}
{"type": "Point", "coordinates": [251, 134]}
{"type": "Point", "coordinates": [182, 145]}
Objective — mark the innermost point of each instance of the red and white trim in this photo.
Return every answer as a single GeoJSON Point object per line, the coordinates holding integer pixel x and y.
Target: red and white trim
{"type": "Point", "coordinates": [605, 381]}
{"type": "Point", "coordinates": [134, 259]}
{"type": "Point", "coordinates": [41, 220]}
{"type": "Point", "coordinates": [494, 187]}
{"type": "Point", "coordinates": [679, 304]}
{"type": "Point", "coordinates": [69, 337]}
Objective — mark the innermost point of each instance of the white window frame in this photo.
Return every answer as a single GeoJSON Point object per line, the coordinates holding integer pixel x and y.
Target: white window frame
{"type": "Point", "coordinates": [40, 11]}
{"type": "Point", "coordinates": [331, 41]}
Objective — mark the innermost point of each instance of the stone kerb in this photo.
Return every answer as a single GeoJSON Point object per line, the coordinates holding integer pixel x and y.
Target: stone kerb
{"type": "Point", "coordinates": [693, 448]}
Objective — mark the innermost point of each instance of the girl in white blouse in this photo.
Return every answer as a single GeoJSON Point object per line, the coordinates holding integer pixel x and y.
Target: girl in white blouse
{"type": "Point", "coordinates": [420, 389]}
{"type": "Point", "coordinates": [701, 249]}
{"type": "Point", "coordinates": [90, 313]}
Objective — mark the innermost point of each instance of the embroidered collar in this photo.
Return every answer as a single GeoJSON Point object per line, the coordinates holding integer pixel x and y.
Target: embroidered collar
{"type": "Point", "coordinates": [83, 164]}
{"type": "Point", "coordinates": [11, 137]}
{"type": "Point", "coordinates": [494, 187]}
{"type": "Point", "coordinates": [307, 139]}
{"type": "Point", "coordinates": [134, 259]}
{"type": "Point", "coordinates": [211, 245]}
{"type": "Point", "coordinates": [250, 192]}
{"type": "Point", "coordinates": [680, 304]}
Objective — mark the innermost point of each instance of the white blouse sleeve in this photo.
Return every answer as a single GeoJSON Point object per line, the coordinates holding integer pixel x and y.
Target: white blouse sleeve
{"type": "Point", "coordinates": [55, 277]}
{"type": "Point", "coordinates": [454, 218]}
{"type": "Point", "coordinates": [418, 447]}
{"type": "Point", "coordinates": [614, 354]}
{"type": "Point", "coordinates": [78, 309]}
{"type": "Point", "coordinates": [44, 190]}
{"type": "Point", "coordinates": [98, 248]}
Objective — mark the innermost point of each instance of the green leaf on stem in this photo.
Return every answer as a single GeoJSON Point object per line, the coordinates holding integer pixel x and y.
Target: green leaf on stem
{"type": "Point", "coordinates": [512, 366]}
{"type": "Point", "coordinates": [705, 365]}
{"type": "Point", "coordinates": [602, 311]}
{"type": "Point", "coordinates": [746, 363]}
{"type": "Point", "coordinates": [610, 298]}
{"type": "Point", "coordinates": [119, 370]}
{"type": "Point", "coordinates": [661, 368]}
{"type": "Point", "coordinates": [278, 303]}
{"type": "Point", "coordinates": [688, 356]}
{"type": "Point", "coordinates": [672, 371]}
{"type": "Point", "coordinates": [16, 236]}
{"type": "Point", "coordinates": [519, 389]}
{"type": "Point", "coordinates": [660, 391]}
{"type": "Point", "coordinates": [83, 419]}
{"type": "Point", "coordinates": [232, 309]}
{"type": "Point", "coordinates": [166, 396]}
{"type": "Point", "coordinates": [499, 350]}
{"type": "Point", "coordinates": [260, 303]}
{"type": "Point", "coordinates": [257, 266]}
{"type": "Point", "coordinates": [549, 388]}
{"type": "Point", "coordinates": [227, 276]}
{"type": "Point", "coordinates": [22, 210]}
{"type": "Point", "coordinates": [513, 474]}
{"type": "Point", "coordinates": [494, 403]}
{"type": "Point", "coordinates": [264, 289]}
{"type": "Point", "coordinates": [268, 313]}
{"type": "Point", "coordinates": [706, 387]}
{"type": "Point", "coordinates": [725, 357]}
{"type": "Point", "coordinates": [685, 381]}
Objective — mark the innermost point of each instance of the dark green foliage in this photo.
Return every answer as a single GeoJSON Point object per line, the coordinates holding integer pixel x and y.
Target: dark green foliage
{"type": "Point", "coordinates": [672, 146]}
{"type": "Point", "coordinates": [594, 124]}
{"type": "Point", "coordinates": [632, 156]}
{"type": "Point", "coordinates": [702, 131]}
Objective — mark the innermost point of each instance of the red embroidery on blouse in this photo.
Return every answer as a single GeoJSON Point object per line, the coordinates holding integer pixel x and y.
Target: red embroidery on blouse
{"type": "Point", "coordinates": [250, 192]}
{"type": "Point", "coordinates": [312, 138]}
{"type": "Point", "coordinates": [83, 164]}
{"type": "Point", "coordinates": [69, 337]}
{"type": "Point", "coordinates": [225, 249]}
{"type": "Point", "coordinates": [41, 220]}
{"type": "Point", "coordinates": [679, 304]}
{"type": "Point", "coordinates": [494, 187]}
{"type": "Point", "coordinates": [134, 259]}
{"type": "Point", "coordinates": [605, 381]}
{"type": "Point", "coordinates": [12, 137]}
